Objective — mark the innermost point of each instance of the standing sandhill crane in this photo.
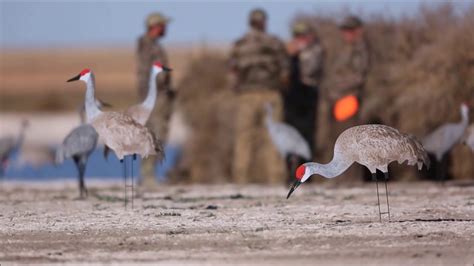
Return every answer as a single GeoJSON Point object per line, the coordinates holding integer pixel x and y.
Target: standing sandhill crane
{"type": "Point", "coordinates": [373, 146]}
{"type": "Point", "coordinates": [443, 139]}
{"type": "Point", "coordinates": [288, 141]}
{"type": "Point", "coordinates": [78, 145]}
{"type": "Point", "coordinates": [468, 137]}
{"type": "Point", "coordinates": [9, 145]}
{"type": "Point", "coordinates": [142, 112]}
{"type": "Point", "coordinates": [120, 132]}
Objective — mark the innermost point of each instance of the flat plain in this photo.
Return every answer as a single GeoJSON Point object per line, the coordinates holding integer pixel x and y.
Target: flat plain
{"type": "Point", "coordinates": [250, 224]}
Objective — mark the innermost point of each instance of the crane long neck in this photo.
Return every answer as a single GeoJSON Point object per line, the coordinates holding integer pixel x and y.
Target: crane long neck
{"type": "Point", "coordinates": [335, 167]}
{"type": "Point", "coordinates": [150, 99]}
{"type": "Point", "coordinates": [92, 110]}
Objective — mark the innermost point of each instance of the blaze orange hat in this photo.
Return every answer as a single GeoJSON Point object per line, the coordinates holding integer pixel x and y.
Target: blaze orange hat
{"type": "Point", "coordinates": [345, 108]}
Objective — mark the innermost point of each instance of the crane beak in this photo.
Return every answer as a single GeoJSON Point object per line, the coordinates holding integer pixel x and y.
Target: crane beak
{"type": "Point", "coordinates": [74, 78]}
{"type": "Point", "coordinates": [167, 69]}
{"type": "Point", "coordinates": [293, 187]}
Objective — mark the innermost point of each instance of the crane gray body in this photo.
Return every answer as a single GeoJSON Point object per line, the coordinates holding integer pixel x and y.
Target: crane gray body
{"type": "Point", "coordinates": [443, 139]}
{"type": "Point", "coordinates": [78, 145]}
{"type": "Point", "coordinates": [286, 138]}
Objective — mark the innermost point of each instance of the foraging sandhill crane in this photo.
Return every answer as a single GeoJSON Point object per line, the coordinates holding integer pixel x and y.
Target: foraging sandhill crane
{"type": "Point", "coordinates": [443, 139]}
{"type": "Point", "coordinates": [468, 137]}
{"type": "Point", "coordinates": [141, 112]}
{"type": "Point", "coordinates": [373, 146]}
{"type": "Point", "coordinates": [120, 132]}
{"type": "Point", "coordinates": [289, 142]}
{"type": "Point", "coordinates": [9, 145]}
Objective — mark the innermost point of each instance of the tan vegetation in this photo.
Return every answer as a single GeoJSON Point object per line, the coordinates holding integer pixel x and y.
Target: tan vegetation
{"type": "Point", "coordinates": [422, 69]}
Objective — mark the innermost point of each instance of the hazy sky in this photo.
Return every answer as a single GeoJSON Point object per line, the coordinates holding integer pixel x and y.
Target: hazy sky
{"type": "Point", "coordinates": [84, 23]}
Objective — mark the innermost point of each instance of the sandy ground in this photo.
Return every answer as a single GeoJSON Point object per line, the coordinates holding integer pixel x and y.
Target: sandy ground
{"type": "Point", "coordinates": [237, 225]}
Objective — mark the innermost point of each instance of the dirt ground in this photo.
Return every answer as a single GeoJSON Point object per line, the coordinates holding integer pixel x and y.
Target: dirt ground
{"type": "Point", "coordinates": [215, 224]}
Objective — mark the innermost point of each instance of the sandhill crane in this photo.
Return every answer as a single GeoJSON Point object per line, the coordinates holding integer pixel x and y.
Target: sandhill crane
{"type": "Point", "coordinates": [78, 145]}
{"type": "Point", "coordinates": [141, 112]}
{"type": "Point", "coordinates": [288, 141]}
{"type": "Point", "coordinates": [373, 146]}
{"type": "Point", "coordinates": [468, 137]}
{"type": "Point", "coordinates": [443, 139]}
{"type": "Point", "coordinates": [9, 145]}
{"type": "Point", "coordinates": [120, 132]}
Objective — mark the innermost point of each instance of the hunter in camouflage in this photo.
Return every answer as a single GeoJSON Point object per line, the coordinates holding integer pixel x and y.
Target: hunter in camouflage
{"type": "Point", "coordinates": [259, 67]}
{"type": "Point", "coordinates": [148, 51]}
{"type": "Point", "coordinates": [307, 61]}
{"type": "Point", "coordinates": [353, 61]}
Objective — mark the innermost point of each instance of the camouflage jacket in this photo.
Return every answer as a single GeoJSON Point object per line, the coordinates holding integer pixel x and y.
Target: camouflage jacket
{"type": "Point", "coordinates": [350, 70]}
{"type": "Point", "coordinates": [311, 60]}
{"type": "Point", "coordinates": [259, 61]}
{"type": "Point", "coordinates": [149, 51]}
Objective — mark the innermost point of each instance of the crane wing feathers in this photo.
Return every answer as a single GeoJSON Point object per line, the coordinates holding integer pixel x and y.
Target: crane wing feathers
{"type": "Point", "coordinates": [82, 140]}
{"type": "Point", "coordinates": [139, 113]}
{"type": "Point", "coordinates": [378, 145]}
{"type": "Point", "coordinates": [443, 139]}
{"type": "Point", "coordinates": [288, 140]}
{"type": "Point", "coordinates": [124, 135]}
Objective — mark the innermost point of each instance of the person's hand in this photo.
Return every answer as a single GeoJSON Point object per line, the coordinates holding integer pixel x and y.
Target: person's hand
{"type": "Point", "coordinates": [296, 45]}
{"type": "Point", "coordinates": [292, 47]}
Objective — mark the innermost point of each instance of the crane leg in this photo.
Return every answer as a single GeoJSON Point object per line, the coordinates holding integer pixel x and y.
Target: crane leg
{"type": "Point", "coordinates": [374, 177]}
{"type": "Point", "coordinates": [81, 166]}
{"type": "Point", "coordinates": [134, 158]}
{"type": "Point", "coordinates": [124, 167]}
{"type": "Point", "coordinates": [386, 194]}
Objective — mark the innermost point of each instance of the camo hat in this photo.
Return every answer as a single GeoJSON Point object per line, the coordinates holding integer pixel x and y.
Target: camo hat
{"type": "Point", "coordinates": [156, 19]}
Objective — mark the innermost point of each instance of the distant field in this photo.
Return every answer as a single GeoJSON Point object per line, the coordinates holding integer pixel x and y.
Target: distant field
{"type": "Point", "coordinates": [34, 80]}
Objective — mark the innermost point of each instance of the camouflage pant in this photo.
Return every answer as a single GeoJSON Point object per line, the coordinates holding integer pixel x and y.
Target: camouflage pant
{"type": "Point", "coordinates": [158, 122]}
{"type": "Point", "coordinates": [255, 156]}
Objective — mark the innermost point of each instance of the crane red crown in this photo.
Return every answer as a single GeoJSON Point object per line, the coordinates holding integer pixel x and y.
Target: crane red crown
{"type": "Point", "coordinates": [84, 71]}
{"type": "Point", "coordinates": [158, 64]}
{"type": "Point", "coordinates": [300, 172]}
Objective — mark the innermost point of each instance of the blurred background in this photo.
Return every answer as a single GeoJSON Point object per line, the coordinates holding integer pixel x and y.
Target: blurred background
{"type": "Point", "coordinates": [422, 69]}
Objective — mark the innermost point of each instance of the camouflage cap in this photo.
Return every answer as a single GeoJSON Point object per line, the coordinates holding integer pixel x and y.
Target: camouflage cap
{"type": "Point", "coordinates": [351, 22]}
{"type": "Point", "coordinates": [300, 28]}
{"type": "Point", "coordinates": [156, 19]}
{"type": "Point", "coordinates": [257, 14]}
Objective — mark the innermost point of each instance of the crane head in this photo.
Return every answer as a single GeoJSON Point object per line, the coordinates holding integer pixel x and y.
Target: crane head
{"type": "Point", "coordinates": [158, 67]}
{"type": "Point", "coordinates": [84, 75]}
{"type": "Point", "coordinates": [302, 174]}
